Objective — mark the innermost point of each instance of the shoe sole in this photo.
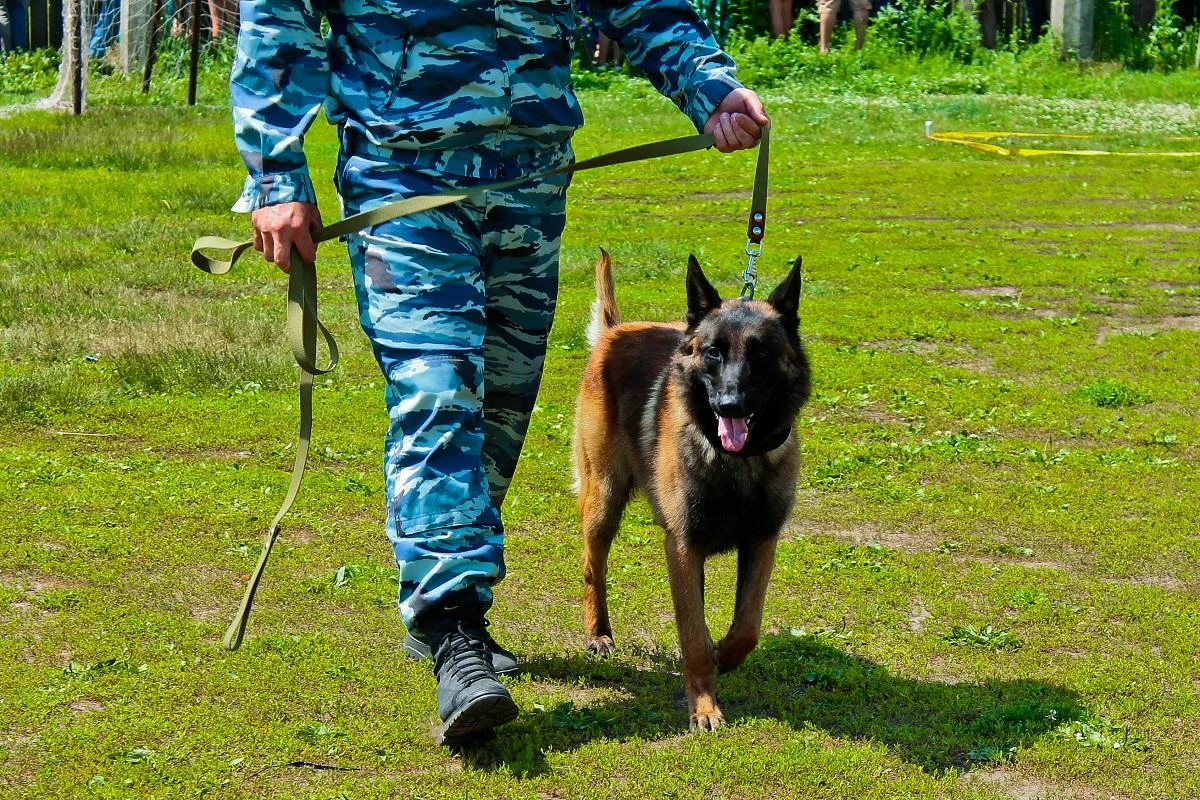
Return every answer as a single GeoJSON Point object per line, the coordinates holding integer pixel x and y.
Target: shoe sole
{"type": "Point", "coordinates": [418, 651]}
{"type": "Point", "coordinates": [415, 650]}
{"type": "Point", "coordinates": [477, 719]}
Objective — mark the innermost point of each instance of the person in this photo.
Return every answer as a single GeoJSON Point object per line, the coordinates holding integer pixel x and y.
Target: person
{"type": "Point", "coordinates": [457, 301]}
{"type": "Point", "coordinates": [607, 52]}
{"type": "Point", "coordinates": [5, 28]}
{"type": "Point", "coordinates": [14, 25]}
{"type": "Point", "coordinates": [222, 16]}
{"type": "Point", "coordinates": [177, 13]}
{"type": "Point", "coordinates": [105, 29]}
{"type": "Point", "coordinates": [782, 18]}
{"type": "Point", "coordinates": [587, 35]}
{"type": "Point", "coordinates": [828, 12]}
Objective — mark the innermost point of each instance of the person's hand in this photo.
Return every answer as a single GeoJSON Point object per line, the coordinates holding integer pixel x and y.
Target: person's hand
{"type": "Point", "coordinates": [279, 228]}
{"type": "Point", "coordinates": [737, 123]}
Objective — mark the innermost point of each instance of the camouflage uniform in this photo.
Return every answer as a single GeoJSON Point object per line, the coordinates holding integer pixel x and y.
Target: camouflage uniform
{"type": "Point", "coordinates": [432, 96]}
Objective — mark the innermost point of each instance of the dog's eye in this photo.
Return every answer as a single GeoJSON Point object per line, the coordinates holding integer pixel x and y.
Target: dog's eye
{"type": "Point", "coordinates": [713, 352]}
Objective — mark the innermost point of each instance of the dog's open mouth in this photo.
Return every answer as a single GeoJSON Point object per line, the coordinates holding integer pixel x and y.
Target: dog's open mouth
{"type": "Point", "coordinates": [733, 432]}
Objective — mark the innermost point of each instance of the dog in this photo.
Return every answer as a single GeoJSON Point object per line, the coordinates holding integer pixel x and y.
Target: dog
{"type": "Point", "coordinates": [700, 416]}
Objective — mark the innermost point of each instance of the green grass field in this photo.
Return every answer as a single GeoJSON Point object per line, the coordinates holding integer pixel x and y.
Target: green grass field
{"type": "Point", "coordinates": [989, 587]}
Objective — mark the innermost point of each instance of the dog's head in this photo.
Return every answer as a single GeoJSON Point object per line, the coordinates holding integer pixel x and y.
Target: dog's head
{"type": "Point", "coordinates": [743, 364]}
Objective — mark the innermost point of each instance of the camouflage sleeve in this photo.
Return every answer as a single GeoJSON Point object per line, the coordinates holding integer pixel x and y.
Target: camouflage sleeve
{"type": "Point", "coordinates": [667, 40]}
{"type": "Point", "coordinates": [280, 77]}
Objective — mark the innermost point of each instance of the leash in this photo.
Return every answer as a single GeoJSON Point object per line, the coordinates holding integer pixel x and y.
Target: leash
{"type": "Point", "coordinates": [303, 323]}
{"type": "Point", "coordinates": [217, 255]}
{"type": "Point", "coordinates": [980, 140]}
{"type": "Point", "coordinates": [412, 205]}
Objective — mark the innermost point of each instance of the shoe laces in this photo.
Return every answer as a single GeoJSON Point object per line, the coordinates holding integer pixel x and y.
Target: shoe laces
{"type": "Point", "coordinates": [464, 649]}
{"type": "Point", "coordinates": [486, 635]}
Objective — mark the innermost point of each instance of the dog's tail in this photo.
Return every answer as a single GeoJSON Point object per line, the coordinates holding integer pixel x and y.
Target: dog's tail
{"type": "Point", "coordinates": [604, 307]}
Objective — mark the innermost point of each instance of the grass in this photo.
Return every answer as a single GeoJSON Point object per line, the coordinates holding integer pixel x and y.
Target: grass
{"type": "Point", "coordinates": [988, 589]}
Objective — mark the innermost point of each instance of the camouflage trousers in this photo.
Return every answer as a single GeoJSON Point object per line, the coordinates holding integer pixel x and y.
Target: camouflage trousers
{"type": "Point", "coordinates": [457, 303]}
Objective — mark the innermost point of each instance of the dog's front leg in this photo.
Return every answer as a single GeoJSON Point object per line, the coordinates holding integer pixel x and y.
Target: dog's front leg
{"type": "Point", "coordinates": [686, 570]}
{"type": "Point", "coordinates": [755, 562]}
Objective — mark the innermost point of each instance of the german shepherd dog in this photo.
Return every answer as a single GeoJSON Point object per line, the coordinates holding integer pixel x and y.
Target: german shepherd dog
{"type": "Point", "coordinates": [700, 417]}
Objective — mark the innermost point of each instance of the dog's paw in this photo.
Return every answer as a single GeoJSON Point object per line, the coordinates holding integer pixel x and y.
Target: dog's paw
{"type": "Point", "coordinates": [601, 645]}
{"type": "Point", "coordinates": [706, 721]}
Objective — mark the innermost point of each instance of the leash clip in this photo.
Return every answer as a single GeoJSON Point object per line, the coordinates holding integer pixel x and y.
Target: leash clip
{"type": "Point", "coordinates": [756, 228]}
{"type": "Point", "coordinates": [750, 276]}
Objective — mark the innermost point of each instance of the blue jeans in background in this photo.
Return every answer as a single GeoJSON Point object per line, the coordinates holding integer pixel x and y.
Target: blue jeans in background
{"type": "Point", "coordinates": [104, 33]}
{"type": "Point", "coordinates": [18, 23]}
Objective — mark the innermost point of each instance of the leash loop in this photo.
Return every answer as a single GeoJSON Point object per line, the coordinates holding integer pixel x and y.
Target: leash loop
{"type": "Point", "coordinates": [302, 328]}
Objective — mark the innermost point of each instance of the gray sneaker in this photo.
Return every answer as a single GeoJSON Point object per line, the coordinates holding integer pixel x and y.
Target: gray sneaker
{"type": "Point", "coordinates": [471, 701]}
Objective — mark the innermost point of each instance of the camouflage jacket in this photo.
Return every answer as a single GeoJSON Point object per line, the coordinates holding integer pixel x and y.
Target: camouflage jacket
{"type": "Point", "coordinates": [456, 85]}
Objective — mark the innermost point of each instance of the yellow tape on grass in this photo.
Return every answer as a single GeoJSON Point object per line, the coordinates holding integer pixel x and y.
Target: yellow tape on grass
{"type": "Point", "coordinates": [984, 142]}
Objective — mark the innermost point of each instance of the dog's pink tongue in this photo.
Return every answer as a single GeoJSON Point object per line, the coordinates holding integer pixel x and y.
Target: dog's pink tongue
{"type": "Point", "coordinates": [732, 432]}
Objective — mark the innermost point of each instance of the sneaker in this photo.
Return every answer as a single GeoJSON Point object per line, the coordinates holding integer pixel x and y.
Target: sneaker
{"type": "Point", "coordinates": [505, 663]}
{"type": "Point", "coordinates": [471, 701]}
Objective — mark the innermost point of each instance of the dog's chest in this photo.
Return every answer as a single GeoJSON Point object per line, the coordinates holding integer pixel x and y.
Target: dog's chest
{"type": "Point", "coordinates": [731, 502]}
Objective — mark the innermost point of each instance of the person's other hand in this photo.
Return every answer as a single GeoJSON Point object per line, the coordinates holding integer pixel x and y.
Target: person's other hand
{"type": "Point", "coordinates": [738, 122]}
{"type": "Point", "coordinates": [279, 228]}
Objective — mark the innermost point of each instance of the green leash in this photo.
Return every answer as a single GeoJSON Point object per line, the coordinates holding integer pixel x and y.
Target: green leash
{"type": "Point", "coordinates": [303, 324]}
{"type": "Point", "coordinates": [302, 328]}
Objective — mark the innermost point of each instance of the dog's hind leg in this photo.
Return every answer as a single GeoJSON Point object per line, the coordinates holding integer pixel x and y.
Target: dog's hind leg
{"type": "Point", "coordinates": [686, 570]}
{"type": "Point", "coordinates": [601, 501]}
{"type": "Point", "coordinates": [755, 562]}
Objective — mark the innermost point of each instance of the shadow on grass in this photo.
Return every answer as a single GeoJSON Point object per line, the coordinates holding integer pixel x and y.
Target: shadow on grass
{"type": "Point", "coordinates": [803, 682]}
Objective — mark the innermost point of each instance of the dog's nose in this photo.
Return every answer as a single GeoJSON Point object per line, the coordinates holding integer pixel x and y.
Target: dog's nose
{"type": "Point", "coordinates": [732, 407]}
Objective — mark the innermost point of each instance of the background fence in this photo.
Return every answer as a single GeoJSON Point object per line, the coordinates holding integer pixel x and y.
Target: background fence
{"type": "Point", "coordinates": [43, 23]}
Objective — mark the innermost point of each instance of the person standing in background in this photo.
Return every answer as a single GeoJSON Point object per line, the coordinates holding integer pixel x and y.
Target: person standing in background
{"type": "Point", "coordinates": [223, 17]}
{"type": "Point", "coordinates": [5, 30]}
{"type": "Point", "coordinates": [14, 25]}
{"type": "Point", "coordinates": [782, 18]}
{"type": "Point", "coordinates": [828, 10]}
{"type": "Point", "coordinates": [104, 31]}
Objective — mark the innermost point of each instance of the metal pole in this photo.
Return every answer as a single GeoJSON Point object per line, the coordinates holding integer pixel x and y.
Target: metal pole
{"type": "Point", "coordinates": [76, 55]}
{"type": "Point", "coordinates": [194, 66]}
{"type": "Point", "coordinates": [125, 26]}
{"type": "Point", "coordinates": [151, 46]}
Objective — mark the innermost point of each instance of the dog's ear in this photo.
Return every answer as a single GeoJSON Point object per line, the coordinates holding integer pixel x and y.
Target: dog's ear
{"type": "Point", "coordinates": [702, 298]}
{"type": "Point", "coordinates": [786, 297]}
